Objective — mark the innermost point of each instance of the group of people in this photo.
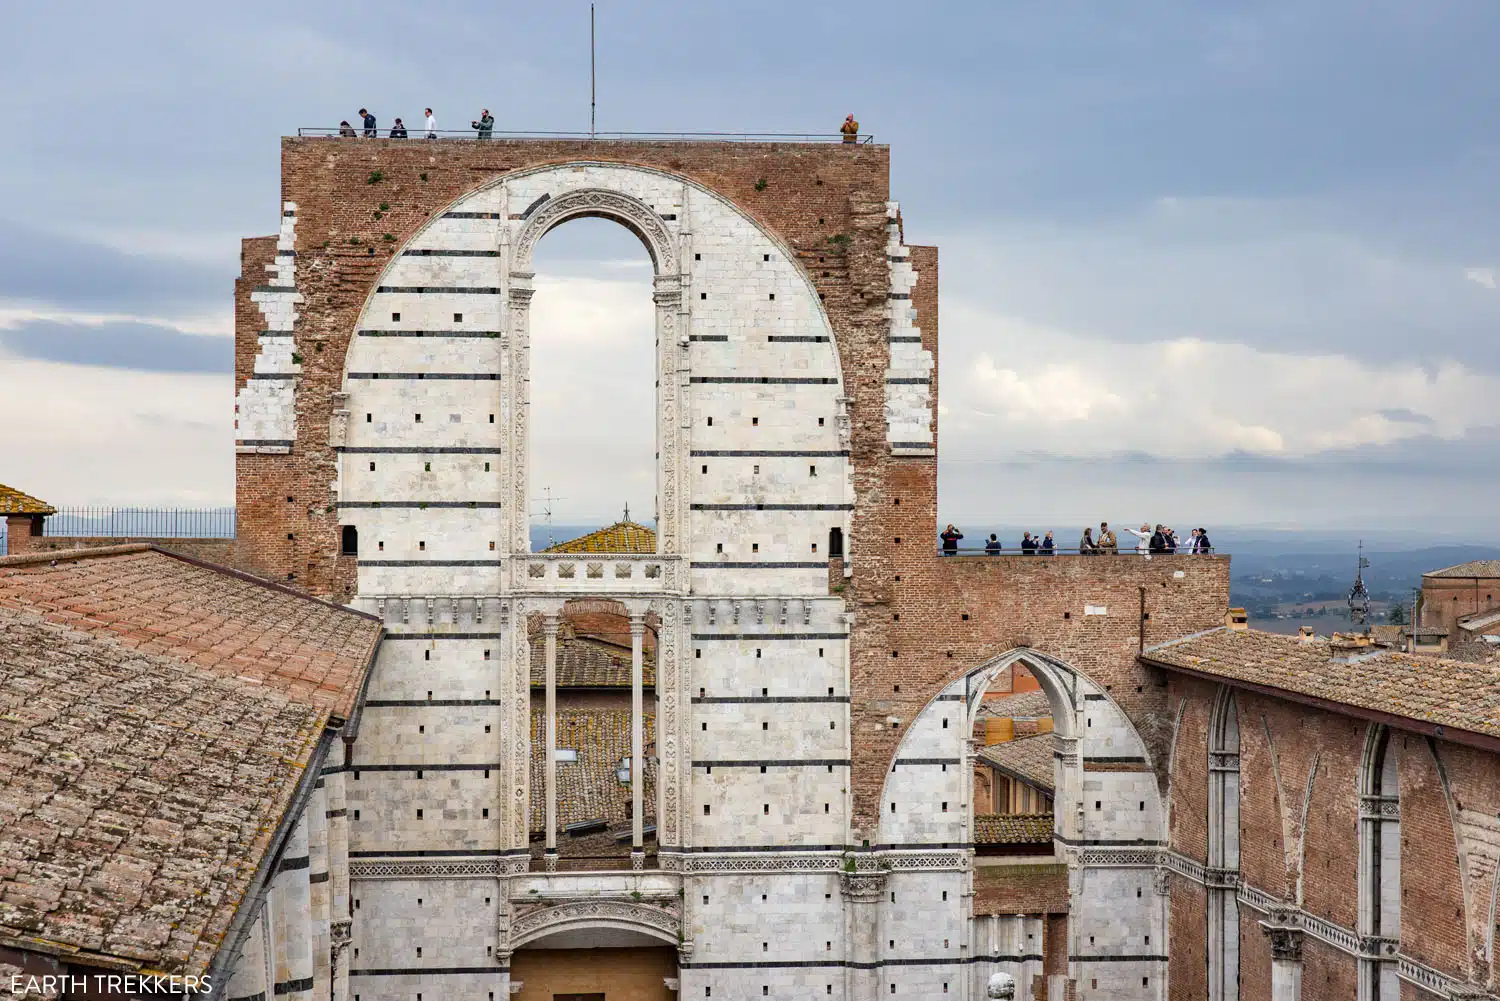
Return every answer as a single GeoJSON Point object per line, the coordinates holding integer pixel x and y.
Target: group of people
{"type": "Point", "coordinates": [1162, 540]}
{"type": "Point", "coordinates": [485, 125]}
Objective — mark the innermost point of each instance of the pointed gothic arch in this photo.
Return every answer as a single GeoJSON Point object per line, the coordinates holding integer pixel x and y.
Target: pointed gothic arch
{"type": "Point", "coordinates": [1223, 916]}
{"type": "Point", "coordinates": [1379, 866]}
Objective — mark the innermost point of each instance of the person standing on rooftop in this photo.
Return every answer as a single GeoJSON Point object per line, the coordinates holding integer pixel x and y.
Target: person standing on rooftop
{"type": "Point", "coordinates": [369, 123]}
{"type": "Point", "coordinates": [485, 125]}
{"type": "Point", "coordinates": [398, 131]}
{"type": "Point", "coordinates": [431, 125]}
{"type": "Point", "coordinates": [850, 129]}
{"type": "Point", "coordinates": [950, 539]}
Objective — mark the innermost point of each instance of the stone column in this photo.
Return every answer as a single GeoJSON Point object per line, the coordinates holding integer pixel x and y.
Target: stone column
{"type": "Point", "coordinates": [1286, 955]}
{"type": "Point", "coordinates": [515, 390]}
{"type": "Point", "coordinates": [549, 630]}
{"type": "Point", "coordinates": [862, 892]}
{"type": "Point", "coordinates": [637, 741]}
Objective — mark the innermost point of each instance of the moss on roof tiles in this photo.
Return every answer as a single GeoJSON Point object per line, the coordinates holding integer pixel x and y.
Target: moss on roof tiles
{"type": "Point", "coordinates": [1012, 828]}
{"type": "Point", "coordinates": [13, 501]}
{"type": "Point", "coordinates": [621, 537]}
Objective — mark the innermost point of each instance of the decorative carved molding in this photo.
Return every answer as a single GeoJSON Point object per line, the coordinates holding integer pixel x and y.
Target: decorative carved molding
{"type": "Point", "coordinates": [630, 212]}
{"type": "Point", "coordinates": [1379, 808]}
{"type": "Point", "coordinates": [660, 922]}
{"type": "Point", "coordinates": [1285, 935]}
{"type": "Point", "coordinates": [872, 863]}
{"type": "Point", "coordinates": [865, 887]}
{"type": "Point", "coordinates": [426, 869]}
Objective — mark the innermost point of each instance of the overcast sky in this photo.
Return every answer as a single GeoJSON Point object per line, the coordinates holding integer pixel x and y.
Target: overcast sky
{"type": "Point", "coordinates": [1231, 263]}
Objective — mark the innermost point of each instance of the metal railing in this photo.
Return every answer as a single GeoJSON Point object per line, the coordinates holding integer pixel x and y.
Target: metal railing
{"type": "Point", "coordinates": [141, 523]}
{"type": "Point", "coordinates": [418, 132]}
{"type": "Point", "coordinates": [1015, 550]}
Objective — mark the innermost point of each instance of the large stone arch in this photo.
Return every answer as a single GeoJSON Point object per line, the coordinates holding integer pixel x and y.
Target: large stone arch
{"type": "Point", "coordinates": [660, 923]}
{"type": "Point", "coordinates": [1108, 811]}
{"type": "Point", "coordinates": [774, 345]}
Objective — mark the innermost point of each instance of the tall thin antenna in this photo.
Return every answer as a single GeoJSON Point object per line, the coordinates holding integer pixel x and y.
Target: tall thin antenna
{"type": "Point", "coordinates": [546, 501]}
{"type": "Point", "coordinates": [591, 71]}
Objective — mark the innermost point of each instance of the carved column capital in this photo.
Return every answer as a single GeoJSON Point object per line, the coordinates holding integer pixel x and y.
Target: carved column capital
{"type": "Point", "coordinates": [1284, 931]}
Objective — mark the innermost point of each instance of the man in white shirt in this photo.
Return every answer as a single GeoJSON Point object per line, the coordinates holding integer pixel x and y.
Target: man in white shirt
{"type": "Point", "coordinates": [431, 125]}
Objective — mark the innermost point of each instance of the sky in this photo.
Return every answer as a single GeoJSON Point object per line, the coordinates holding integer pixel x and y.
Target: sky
{"type": "Point", "coordinates": [1233, 263]}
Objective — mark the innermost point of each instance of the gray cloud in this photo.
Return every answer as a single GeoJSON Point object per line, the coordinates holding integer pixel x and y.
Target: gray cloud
{"type": "Point", "coordinates": [1404, 415]}
{"type": "Point", "coordinates": [141, 346]}
{"type": "Point", "coordinates": [41, 266]}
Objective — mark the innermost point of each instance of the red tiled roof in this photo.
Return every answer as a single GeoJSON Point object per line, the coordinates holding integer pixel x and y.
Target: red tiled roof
{"type": "Point", "coordinates": [1012, 828]}
{"type": "Point", "coordinates": [1026, 758]}
{"type": "Point", "coordinates": [1435, 690]}
{"type": "Point", "coordinates": [212, 617]}
{"type": "Point", "coordinates": [156, 718]}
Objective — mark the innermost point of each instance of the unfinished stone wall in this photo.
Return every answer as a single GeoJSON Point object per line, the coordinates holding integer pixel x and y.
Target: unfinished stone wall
{"type": "Point", "coordinates": [792, 313]}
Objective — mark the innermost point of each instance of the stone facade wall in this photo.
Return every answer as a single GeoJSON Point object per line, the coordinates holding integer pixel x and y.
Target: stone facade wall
{"type": "Point", "coordinates": [797, 695]}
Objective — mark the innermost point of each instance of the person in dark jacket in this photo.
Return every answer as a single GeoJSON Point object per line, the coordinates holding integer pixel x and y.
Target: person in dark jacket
{"type": "Point", "coordinates": [485, 125]}
{"type": "Point", "coordinates": [1201, 544]}
{"type": "Point", "coordinates": [1047, 547]}
{"type": "Point", "coordinates": [398, 131]}
{"type": "Point", "coordinates": [950, 539]}
{"type": "Point", "coordinates": [1158, 542]}
{"type": "Point", "coordinates": [369, 123]}
{"type": "Point", "coordinates": [346, 130]}
{"type": "Point", "coordinates": [1086, 545]}
{"type": "Point", "coordinates": [1028, 544]}
{"type": "Point", "coordinates": [992, 546]}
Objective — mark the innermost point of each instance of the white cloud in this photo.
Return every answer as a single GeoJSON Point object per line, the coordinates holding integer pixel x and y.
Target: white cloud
{"type": "Point", "coordinates": [87, 435]}
{"type": "Point", "coordinates": [1481, 276]}
{"type": "Point", "coordinates": [1075, 395]}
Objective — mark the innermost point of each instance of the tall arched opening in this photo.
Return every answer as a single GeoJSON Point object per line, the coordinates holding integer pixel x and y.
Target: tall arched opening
{"type": "Point", "coordinates": [1380, 866]}
{"type": "Point", "coordinates": [1224, 849]}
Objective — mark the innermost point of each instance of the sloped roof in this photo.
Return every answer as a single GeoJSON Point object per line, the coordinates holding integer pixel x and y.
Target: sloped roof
{"type": "Point", "coordinates": [1021, 705]}
{"type": "Point", "coordinates": [1480, 621]}
{"type": "Point", "coordinates": [621, 537]}
{"type": "Point", "coordinates": [584, 663]}
{"type": "Point", "coordinates": [13, 501]}
{"type": "Point", "coordinates": [1436, 690]}
{"type": "Point", "coordinates": [1012, 828]}
{"type": "Point", "coordinates": [144, 770]}
{"type": "Point", "coordinates": [587, 789]}
{"type": "Point", "coordinates": [229, 623]}
{"type": "Point", "coordinates": [1474, 568]}
{"type": "Point", "coordinates": [1028, 759]}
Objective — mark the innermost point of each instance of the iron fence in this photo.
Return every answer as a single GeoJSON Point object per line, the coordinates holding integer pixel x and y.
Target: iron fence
{"type": "Point", "coordinates": [142, 522]}
{"type": "Point", "coordinates": [418, 132]}
{"type": "Point", "coordinates": [1014, 549]}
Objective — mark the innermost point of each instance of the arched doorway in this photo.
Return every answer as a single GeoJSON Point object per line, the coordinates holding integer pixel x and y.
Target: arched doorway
{"type": "Point", "coordinates": [1103, 922]}
{"type": "Point", "coordinates": [595, 950]}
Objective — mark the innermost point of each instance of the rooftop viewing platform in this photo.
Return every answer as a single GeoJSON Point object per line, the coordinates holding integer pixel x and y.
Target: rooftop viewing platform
{"type": "Point", "coordinates": [476, 134]}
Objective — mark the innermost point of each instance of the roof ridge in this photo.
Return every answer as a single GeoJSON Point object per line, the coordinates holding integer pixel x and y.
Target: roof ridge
{"type": "Point", "coordinates": [1189, 636]}
{"type": "Point", "coordinates": [76, 553]}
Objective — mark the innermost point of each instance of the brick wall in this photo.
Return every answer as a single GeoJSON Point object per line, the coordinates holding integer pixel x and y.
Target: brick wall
{"type": "Point", "coordinates": [1445, 600]}
{"type": "Point", "coordinates": [1020, 889]}
{"type": "Point", "coordinates": [1449, 840]}
{"type": "Point", "coordinates": [810, 193]}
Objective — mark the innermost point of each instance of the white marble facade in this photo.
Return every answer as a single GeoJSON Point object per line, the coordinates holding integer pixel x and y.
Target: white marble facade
{"type": "Point", "coordinates": [760, 884]}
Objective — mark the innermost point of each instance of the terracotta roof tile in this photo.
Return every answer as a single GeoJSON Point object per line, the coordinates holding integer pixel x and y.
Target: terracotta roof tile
{"type": "Point", "coordinates": [139, 793]}
{"type": "Point", "coordinates": [1450, 693]}
{"type": "Point", "coordinates": [1026, 758]}
{"type": "Point", "coordinates": [210, 616]}
{"type": "Point", "coordinates": [1474, 568]}
{"type": "Point", "coordinates": [1022, 705]}
{"type": "Point", "coordinates": [587, 789]}
{"type": "Point", "coordinates": [13, 501]}
{"type": "Point", "coordinates": [583, 663]}
{"type": "Point", "coordinates": [1012, 828]}
{"type": "Point", "coordinates": [621, 537]}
